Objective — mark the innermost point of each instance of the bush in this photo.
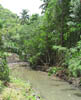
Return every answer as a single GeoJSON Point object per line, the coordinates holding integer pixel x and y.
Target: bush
{"type": "Point", "coordinates": [54, 70]}
{"type": "Point", "coordinates": [75, 67]}
{"type": "Point", "coordinates": [4, 70]}
{"type": "Point", "coordinates": [74, 61]}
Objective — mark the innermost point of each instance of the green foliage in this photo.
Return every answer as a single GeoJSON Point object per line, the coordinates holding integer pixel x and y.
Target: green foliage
{"type": "Point", "coordinates": [4, 70]}
{"type": "Point", "coordinates": [48, 39]}
{"type": "Point", "coordinates": [24, 17]}
{"type": "Point", "coordinates": [1, 24]}
{"type": "Point", "coordinates": [59, 48]}
{"type": "Point", "coordinates": [54, 70]}
{"type": "Point", "coordinates": [25, 91]}
{"type": "Point", "coordinates": [74, 61]}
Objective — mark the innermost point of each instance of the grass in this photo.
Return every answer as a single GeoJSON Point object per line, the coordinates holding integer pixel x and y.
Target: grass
{"type": "Point", "coordinates": [17, 90]}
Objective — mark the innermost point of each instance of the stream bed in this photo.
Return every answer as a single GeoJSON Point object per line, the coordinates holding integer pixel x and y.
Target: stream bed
{"type": "Point", "coordinates": [49, 87]}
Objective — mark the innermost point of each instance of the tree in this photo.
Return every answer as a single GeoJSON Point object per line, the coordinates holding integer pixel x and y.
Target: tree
{"type": "Point", "coordinates": [1, 34]}
{"type": "Point", "coordinates": [34, 17]}
{"type": "Point", "coordinates": [44, 5]}
{"type": "Point", "coordinates": [75, 22]}
{"type": "Point", "coordinates": [24, 17]}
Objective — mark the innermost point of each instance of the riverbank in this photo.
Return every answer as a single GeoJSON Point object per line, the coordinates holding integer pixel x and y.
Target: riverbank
{"type": "Point", "coordinates": [64, 74]}
{"type": "Point", "coordinates": [17, 89]}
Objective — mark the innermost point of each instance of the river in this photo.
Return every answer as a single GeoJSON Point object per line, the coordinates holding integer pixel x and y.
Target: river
{"type": "Point", "coordinates": [50, 88]}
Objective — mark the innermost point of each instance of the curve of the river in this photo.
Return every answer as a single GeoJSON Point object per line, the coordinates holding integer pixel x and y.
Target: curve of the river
{"type": "Point", "coordinates": [51, 88]}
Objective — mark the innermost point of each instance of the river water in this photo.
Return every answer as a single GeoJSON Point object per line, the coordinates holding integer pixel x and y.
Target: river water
{"type": "Point", "coordinates": [50, 88]}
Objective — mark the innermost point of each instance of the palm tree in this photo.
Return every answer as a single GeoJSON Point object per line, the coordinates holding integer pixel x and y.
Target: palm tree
{"type": "Point", "coordinates": [24, 16]}
{"type": "Point", "coordinates": [44, 5]}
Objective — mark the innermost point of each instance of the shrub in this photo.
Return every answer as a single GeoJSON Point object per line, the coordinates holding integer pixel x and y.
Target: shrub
{"type": "Point", "coordinates": [74, 61]}
{"type": "Point", "coordinates": [4, 70]}
{"type": "Point", "coordinates": [54, 70]}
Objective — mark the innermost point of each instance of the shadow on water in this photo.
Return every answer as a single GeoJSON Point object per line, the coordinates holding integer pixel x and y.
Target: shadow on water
{"type": "Point", "coordinates": [57, 80]}
{"type": "Point", "coordinates": [71, 89]}
{"type": "Point", "coordinates": [56, 85]}
{"type": "Point", "coordinates": [77, 94]}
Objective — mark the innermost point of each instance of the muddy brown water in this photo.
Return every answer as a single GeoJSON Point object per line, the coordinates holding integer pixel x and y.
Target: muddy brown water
{"type": "Point", "coordinates": [50, 88]}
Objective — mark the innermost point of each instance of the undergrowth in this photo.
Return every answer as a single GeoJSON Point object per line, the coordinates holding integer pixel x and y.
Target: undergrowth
{"type": "Point", "coordinates": [18, 90]}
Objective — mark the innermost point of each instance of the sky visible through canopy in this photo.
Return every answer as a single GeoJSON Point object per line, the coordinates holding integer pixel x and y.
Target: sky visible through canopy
{"type": "Point", "coordinates": [16, 6]}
